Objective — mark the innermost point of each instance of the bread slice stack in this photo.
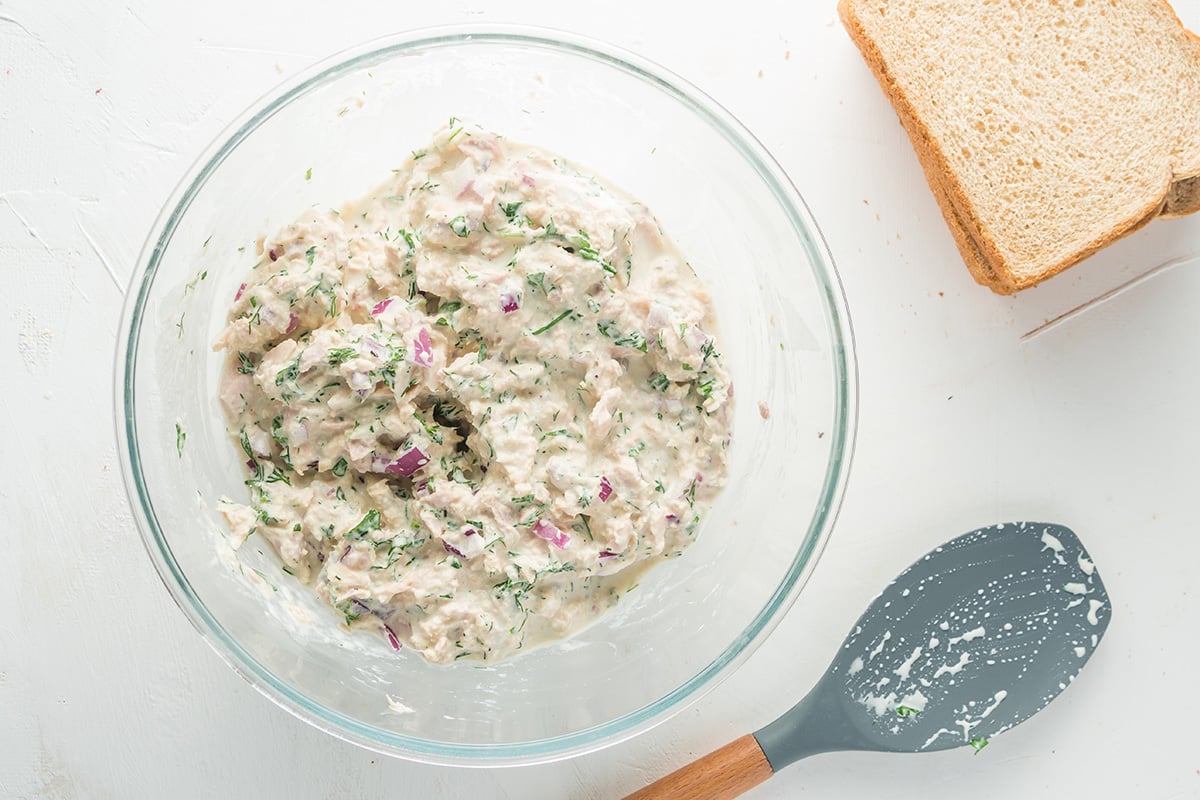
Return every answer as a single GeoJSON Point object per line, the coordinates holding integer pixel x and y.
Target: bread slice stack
{"type": "Point", "coordinates": [1047, 129]}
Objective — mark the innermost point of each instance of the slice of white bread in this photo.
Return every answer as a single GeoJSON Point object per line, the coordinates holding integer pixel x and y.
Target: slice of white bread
{"type": "Point", "coordinates": [1047, 129]}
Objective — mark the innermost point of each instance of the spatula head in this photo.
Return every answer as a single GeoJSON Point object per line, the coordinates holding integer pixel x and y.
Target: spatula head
{"type": "Point", "coordinates": [976, 637]}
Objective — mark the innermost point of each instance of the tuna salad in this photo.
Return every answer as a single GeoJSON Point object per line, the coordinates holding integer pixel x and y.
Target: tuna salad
{"type": "Point", "coordinates": [475, 405]}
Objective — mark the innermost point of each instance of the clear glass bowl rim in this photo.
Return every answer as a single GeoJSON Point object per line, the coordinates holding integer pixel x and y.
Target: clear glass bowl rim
{"type": "Point", "coordinates": [842, 432]}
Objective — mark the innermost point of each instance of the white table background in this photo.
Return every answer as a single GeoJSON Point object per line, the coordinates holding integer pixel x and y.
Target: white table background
{"type": "Point", "coordinates": [106, 691]}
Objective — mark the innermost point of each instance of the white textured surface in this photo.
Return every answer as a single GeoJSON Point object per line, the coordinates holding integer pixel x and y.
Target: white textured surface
{"type": "Point", "coordinates": [105, 691]}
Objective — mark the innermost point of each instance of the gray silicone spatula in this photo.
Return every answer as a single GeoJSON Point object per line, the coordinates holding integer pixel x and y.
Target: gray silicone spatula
{"type": "Point", "coordinates": [976, 637]}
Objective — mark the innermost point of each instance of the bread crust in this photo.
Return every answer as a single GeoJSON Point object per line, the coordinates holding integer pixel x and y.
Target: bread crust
{"type": "Point", "coordinates": [1180, 194]}
{"type": "Point", "coordinates": [1184, 198]}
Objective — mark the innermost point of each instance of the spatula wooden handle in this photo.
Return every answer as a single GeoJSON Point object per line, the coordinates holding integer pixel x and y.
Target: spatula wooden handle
{"type": "Point", "coordinates": [721, 775]}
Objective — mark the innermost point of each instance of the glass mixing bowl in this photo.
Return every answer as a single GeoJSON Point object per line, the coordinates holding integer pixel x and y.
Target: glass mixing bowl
{"type": "Point", "coordinates": [783, 327]}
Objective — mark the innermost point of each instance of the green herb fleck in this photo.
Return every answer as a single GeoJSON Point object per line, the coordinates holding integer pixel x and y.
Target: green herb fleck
{"type": "Point", "coordinates": [245, 442]}
{"type": "Point", "coordinates": [260, 574]}
{"type": "Point", "coordinates": [906, 711]}
{"type": "Point", "coordinates": [339, 468]}
{"type": "Point", "coordinates": [538, 281]}
{"type": "Point", "coordinates": [246, 365]}
{"type": "Point", "coordinates": [560, 432]}
{"type": "Point", "coordinates": [552, 322]}
{"type": "Point", "coordinates": [430, 430]}
{"type": "Point", "coordinates": [583, 246]}
{"type": "Point", "coordinates": [180, 438]}
{"type": "Point", "coordinates": [279, 477]}
{"type": "Point", "coordinates": [634, 340]}
{"type": "Point", "coordinates": [351, 616]}
{"type": "Point", "coordinates": [368, 524]}
{"type": "Point", "coordinates": [659, 381]}
{"type": "Point", "coordinates": [408, 240]}
{"type": "Point", "coordinates": [978, 743]}
{"type": "Point", "coordinates": [460, 227]}
{"type": "Point", "coordinates": [308, 174]}
{"type": "Point", "coordinates": [289, 373]}
{"type": "Point", "coordinates": [340, 355]}
{"type": "Point", "coordinates": [281, 439]}
{"type": "Point", "coordinates": [310, 254]}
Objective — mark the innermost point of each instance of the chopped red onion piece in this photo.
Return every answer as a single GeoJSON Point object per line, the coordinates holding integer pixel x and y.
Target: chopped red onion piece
{"type": "Point", "coordinates": [470, 532]}
{"type": "Point", "coordinates": [608, 554]}
{"type": "Point", "coordinates": [381, 306]}
{"type": "Point", "coordinates": [375, 348]}
{"type": "Point", "coordinates": [422, 349]}
{"type": "Point", "coordinates": [366, 608]}
{"type": "Point", "coordinates": [391, 637]}
{"type": "Point", "coordinates": [408, 463]}
{"type": "Point", "coordinates": [452, 549]}
{"type": "Point", "coordinates": [342, 557]}
{"type": "Point", "coordinates": [509, 302]}
{"type": "Point", "coordinates": [528, 181]}
{"type": "Point", "coordinates": [659, 317]}
{"type": "Point", "coordinates": [672, 518]}
{"type": "Point", "coordinates": [240, 290]}
{"type": "Point", "coordinates": [544, 530]}
{"type": "Point", "coordinates": [606, 489]}
{"type": "Point", "coordinates": [251, 464]}
{"type": "Point", "coordinates": [272, 254]}
{"type": "Point", "coordinates": [293, 321]}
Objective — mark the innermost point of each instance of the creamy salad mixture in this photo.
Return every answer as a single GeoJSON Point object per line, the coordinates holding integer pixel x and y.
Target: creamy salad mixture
{"type": "Point", "coordinates": [477, 403]}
